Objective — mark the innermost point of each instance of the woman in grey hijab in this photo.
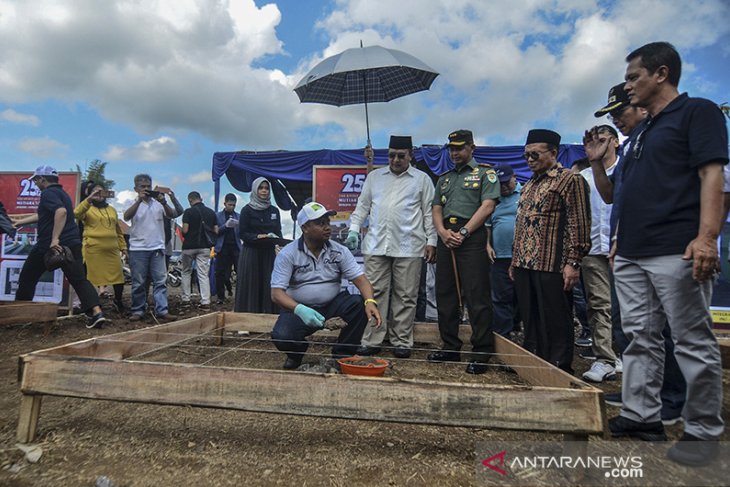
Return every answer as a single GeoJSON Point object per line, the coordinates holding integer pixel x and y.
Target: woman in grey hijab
{"type": "Point", "coordinates": [259, 229]}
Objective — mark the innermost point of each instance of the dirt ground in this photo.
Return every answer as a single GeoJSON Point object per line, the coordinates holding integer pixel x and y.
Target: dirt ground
{"type": "Point", "coordinates": [86, 442]}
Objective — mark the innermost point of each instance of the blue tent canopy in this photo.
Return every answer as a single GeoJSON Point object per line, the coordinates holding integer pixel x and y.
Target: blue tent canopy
{"type": "Point", "coordinates": [291, 172]}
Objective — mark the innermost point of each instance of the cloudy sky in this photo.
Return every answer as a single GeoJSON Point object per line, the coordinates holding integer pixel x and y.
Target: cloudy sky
{"type": "Point", "coordinates": [159, 85]}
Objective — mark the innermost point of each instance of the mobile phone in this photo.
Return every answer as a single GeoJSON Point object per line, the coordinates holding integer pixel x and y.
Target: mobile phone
{"type": "Point", "coordinates": [153, 194]}
{"type": "Point", "coordinates": [106, 193]}
{"type": "Point", "coordinates": [163, 189]}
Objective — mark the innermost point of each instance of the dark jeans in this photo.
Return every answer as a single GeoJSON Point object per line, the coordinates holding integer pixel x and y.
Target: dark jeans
{"type": "Point", "coordinates": [547, 313]}
{"type": "Point", "coordinates": [504, 298]}
{"type": "Point", "coordinates": [33, 269]}
{"type": "Point", "coordinates": [473, 266]}
{"type": "Point", "coordinates": [290, 332]}
{"type": "Point", "coordinates": [225, 260]}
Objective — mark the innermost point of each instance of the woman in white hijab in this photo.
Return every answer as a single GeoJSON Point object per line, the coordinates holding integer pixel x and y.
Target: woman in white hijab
{"type": "Point", "coordinates": [259, 229]}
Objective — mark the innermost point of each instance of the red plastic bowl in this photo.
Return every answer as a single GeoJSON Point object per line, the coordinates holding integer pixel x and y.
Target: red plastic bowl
{"type": "Point", "coordinates": [376, 369]}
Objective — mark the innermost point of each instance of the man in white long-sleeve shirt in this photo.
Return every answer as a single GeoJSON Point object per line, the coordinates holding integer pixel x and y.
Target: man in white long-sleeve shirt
{"type": "Point", "coordinates": [397, 199]}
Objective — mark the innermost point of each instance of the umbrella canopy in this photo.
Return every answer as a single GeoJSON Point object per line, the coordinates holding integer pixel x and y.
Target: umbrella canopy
{"type": "Point", "coordinates": [365, 75]}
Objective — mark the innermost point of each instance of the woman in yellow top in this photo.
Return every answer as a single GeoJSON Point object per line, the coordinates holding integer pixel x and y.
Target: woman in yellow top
{"type": "Point", "coordinates": [103, 241]}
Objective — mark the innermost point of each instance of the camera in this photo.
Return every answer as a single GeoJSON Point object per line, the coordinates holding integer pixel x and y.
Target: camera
{"type": "Point", "coordinates": [153, 194]}
{"type": "Point", "coordinates": [106, 193]}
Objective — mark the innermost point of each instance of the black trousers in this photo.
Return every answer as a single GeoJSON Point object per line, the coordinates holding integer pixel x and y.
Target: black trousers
{"type": "Point", "coordinates": [34, 268]}
{"type": "Point", "coordinates": [473, 266]}
{"type": "Point", "coordinates": [225, 260]}
{"type": "Point", "coordinates": [547, 313]}
{"type": "Point", "coordinates": [290, 332]}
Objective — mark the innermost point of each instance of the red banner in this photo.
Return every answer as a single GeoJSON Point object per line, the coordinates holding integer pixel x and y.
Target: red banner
{"type": "Point", "coordinates": [19, 195]}
{"type": "Point", "coordinates": [338, 187]}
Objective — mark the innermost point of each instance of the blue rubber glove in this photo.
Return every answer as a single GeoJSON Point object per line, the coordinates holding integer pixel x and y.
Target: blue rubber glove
{"type": "Point", "coordinates": [309, 316]}
{"type": "Point", "coordinates": [352, 240]}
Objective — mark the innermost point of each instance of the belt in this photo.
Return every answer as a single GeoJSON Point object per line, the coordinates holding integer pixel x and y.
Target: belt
{"type": "Point", "coordinates": [454, 220]}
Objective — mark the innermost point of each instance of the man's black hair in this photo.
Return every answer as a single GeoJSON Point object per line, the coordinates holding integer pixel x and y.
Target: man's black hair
{"type": "Point", "coordinates": [194, 195]}
{"type": "Point", "coordinates": [230, 197]}
{"type": "Point", "coordinates": [657, 54]}
{"type": "Point", "coordinates": [51, 179]}
{"type": "Point", "coordinates": [582, 163]}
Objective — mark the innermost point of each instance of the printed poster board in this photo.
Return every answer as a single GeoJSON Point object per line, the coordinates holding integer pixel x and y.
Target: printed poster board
{"type": "Point", "coordinates": [21, 196]}
{"type": "Point", "coordinates": [338, 188]}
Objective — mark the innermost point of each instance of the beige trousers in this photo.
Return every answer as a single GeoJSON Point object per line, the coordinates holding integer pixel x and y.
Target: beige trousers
{"type": "Point", "coordinates": [596, 275]}
{"type": "Point", "coordinates": [395, 282]}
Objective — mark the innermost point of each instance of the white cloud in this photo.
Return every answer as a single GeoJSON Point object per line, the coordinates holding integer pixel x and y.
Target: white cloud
{"type": "Point", "coordinates": [507, 65]}
{"type": "Point", "coordinates": [42, 147]}
{"type": "Point", "coordinates": [123, 199]}
{"type": "Point", "coordinates": [158, 66]}
{"type": "Point", "coordinates": [200, 177]}
{"type": "Point", "coordinates": [178, 66]}
{"type": "Point", "coordinates": [12, 116]}
{"type": "Point", "coordinates": [159, 149]}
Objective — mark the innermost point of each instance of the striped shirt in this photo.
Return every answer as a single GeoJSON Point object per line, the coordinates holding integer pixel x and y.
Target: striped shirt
{"type": "Point", "coordinates": [553, 221]}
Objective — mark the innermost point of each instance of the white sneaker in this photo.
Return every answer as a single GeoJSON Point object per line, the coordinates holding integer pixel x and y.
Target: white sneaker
{"type": "Point", "coordinates": [599, 372]}
{"type": "Point", "coordinates": [619, 366]}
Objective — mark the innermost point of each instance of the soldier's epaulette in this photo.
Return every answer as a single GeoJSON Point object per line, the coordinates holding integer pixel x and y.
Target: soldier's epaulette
{"type": "Point", "coordinates": [486, 166]}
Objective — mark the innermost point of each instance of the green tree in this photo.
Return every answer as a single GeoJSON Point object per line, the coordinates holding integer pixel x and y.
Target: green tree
{"type": "Point", "coordinates": [95, 172]}
{"type": "Point", "coordinates": [725, 109]}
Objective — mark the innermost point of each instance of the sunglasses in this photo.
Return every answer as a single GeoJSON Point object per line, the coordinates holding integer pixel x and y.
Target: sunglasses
{"type": "Point", "coordinates": [639, 144]}
{"type": "Point", "coordinates": [534, 154]}
{"type": "Point", "coordinates": [397, 155]}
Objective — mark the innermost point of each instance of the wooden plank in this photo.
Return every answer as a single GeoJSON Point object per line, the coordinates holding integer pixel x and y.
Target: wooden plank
{"type": "Point", "coordinates": [381, 399]}
{"type": "Point", "coordinates": [30, 409]}
{"type": "Point", "coordinates": [130, 343]}
{"type": "Point", "coordinates": [529, 367]}
{"type": "Point", "coordinates": [532, 368]}
{"type": "Point", "coordinates": [263, 323]}
{"type": "Point", "coordinates": [15, 312]}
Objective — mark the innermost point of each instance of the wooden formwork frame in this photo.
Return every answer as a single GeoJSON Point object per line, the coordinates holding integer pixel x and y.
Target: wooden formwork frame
{"type": "Point", "coordinates": [104, 368]}
{"type": "Point", "coordinates": [14, 312]}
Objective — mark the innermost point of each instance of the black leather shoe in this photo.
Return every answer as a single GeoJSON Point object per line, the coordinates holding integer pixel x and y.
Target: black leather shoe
{"type": "Point", "coordinates": [620, 426]}
{"type": "Point", "coordinates": [292, 363]}
{"type": "Point", "coordinates": [444, 356]}
{"type": "Point", "coordinates": [477, 368]}
{"type": "Point", "coordinates": [367, 351]}
{"type": "Point", "coordinates": [401, 352]}
{"type": "Point", "coordinates": [693, 451]}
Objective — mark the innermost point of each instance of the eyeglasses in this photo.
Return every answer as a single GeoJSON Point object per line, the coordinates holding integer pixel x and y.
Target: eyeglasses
{"type": "Point", "coordinates": [534, 154]}
{"type": "Point", "coordinates": [397, 155]}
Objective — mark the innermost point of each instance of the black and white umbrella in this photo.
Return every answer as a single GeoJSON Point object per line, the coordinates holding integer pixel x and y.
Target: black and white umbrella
{"type": "Point", "coordinates": [365, 75]}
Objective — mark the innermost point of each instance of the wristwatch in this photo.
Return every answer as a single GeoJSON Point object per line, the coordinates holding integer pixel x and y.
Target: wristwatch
{"type": "Point", "coordinates": [574, 264]}
{"type": "Point", "coordinates": [464, 232]}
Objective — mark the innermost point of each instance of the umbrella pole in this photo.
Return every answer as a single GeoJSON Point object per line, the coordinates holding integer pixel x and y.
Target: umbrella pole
{"type": "Point", "coordinates": [367, 118]}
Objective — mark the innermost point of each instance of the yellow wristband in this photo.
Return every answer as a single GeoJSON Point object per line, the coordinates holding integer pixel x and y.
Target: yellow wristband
{"type": "Point", "coordinates": [371, 300]}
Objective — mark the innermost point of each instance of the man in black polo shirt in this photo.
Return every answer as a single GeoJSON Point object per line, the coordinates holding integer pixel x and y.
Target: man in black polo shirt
{"type": "Point", "coordinates": [200, 228]}
{"type": "Point", "coordinates": [56, 228]}
{"type": "Point", "coordinates": [669, 220]}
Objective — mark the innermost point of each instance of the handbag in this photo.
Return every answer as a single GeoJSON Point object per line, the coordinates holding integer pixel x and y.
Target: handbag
{"type": "Point", "coordinates": [54, 259]}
